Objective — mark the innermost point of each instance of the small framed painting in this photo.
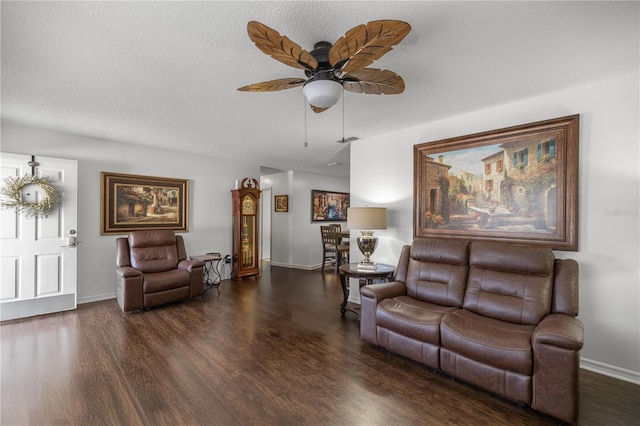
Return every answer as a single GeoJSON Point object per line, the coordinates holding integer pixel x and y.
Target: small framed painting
{"type": "Point", "coordinates": [281, 203]}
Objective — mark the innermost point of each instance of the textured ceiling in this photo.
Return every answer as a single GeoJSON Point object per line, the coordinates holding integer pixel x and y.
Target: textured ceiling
{"type": "Point", "coordinates": [165, 74]}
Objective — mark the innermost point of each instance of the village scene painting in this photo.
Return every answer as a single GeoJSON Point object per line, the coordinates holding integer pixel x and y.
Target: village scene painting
{"type": "Point", "coordinates": [329, 206]}
{"type": "Point", "coordinates": [133, 202]}
{"type": "Point", "coordinates": [506, 187]}
{"type": "Point", "coordinates": [155, 204]}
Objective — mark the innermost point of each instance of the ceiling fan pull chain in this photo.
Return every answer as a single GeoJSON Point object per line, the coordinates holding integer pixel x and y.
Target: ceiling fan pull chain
{"type": "Point", "coordinates": [343, 114]}
{"type": "Point", "coordinates": [306, 144]}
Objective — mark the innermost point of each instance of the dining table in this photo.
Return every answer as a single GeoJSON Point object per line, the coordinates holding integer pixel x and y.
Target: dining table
{"type": "Point", "coordinates": [343, 235]}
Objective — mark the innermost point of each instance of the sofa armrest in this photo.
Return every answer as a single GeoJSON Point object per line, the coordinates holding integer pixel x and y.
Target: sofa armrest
{"type": "Point", "coordinates": [370, 296]}
{"type": "Point", "coordinates": [383, 291]}
{"type": "Point", "coordinates": [562, 331]}
{"type": "Point", "coordinates": [556, 346]}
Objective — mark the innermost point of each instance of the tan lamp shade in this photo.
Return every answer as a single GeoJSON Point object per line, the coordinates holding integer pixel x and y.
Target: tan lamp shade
{"type": "Point", "coordinates": [367, 218]}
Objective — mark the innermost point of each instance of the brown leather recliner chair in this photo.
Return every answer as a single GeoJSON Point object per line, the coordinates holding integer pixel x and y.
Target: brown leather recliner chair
{"type": "Point", "coordinates": [153, 269]}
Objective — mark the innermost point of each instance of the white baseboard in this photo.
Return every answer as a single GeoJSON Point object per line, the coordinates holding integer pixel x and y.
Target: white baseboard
{"type": "Point", "coordinates": [289, 265]}
{"type": "Point", "coordinates": [97, 298]}
{"type": "Point", "coordinates": [38, 306]}
{"type": "Point", "coordinates": [610, 370]}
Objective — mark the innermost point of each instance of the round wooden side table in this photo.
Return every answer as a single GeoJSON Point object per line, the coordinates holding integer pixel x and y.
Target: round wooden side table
{"type": "Point", "coordinates": [365, 276]}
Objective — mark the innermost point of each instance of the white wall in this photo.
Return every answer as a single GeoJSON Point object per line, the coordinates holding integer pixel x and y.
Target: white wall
{"type": "Point", "coordinates": [295, 239]}
{"type": "Point", "coordinates": [609, 203]}
{"type": "Point", "coordinates": [210, 182]}
{"type": "Point", "coordinates": [280, 184]}
{"type": "Point", "coordinates": [266, 210]}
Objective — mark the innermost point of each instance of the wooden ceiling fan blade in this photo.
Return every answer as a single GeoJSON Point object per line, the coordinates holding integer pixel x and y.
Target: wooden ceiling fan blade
{"type": "Point", "coordinates": [365, 43]}
{"type": "Point", "coordinates": [273, 85]}
{"type": "Point", "coordinates": [373, 81]}
{"type": "Point", "coordinates": [270, 42]}
{"type": "Point", "coordinates": [318, 109]}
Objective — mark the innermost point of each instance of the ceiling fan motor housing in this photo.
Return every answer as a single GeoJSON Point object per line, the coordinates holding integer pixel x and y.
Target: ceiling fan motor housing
{"type": "Point", "coordinates": [321, 54]}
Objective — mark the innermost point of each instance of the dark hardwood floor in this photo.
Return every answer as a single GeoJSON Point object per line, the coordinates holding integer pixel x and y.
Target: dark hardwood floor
{"type": "Point", "coordinates": [268, 351]}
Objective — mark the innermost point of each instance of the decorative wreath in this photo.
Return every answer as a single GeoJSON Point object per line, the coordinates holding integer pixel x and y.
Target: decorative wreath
{"type": "Point", "coordinates": [13, 199]}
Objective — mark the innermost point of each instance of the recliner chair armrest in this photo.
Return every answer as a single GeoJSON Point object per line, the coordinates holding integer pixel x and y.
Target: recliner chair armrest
{"type": "Point", "coordinates": [129, 288]}
{"type": "Point", "coordinates": [196, 269]}
{"type": "Point", "coordinates": [370, 296]}
{"type": "Point", "coordinates": [188, 264]}
{"type": "Point", "coordinates": [559, 330]}
{"type": "Point", "coordinates": [127, 272]}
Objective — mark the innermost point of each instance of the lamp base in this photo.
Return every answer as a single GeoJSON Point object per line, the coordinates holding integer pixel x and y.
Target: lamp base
{"type": "Point", "coordinates": [368, 266]}
{"type": "Point", "coordinates": [367, 244]}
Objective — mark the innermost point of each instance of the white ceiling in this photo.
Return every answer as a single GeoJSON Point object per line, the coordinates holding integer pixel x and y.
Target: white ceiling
{"type": "Point", "coordinates": [165, 74]}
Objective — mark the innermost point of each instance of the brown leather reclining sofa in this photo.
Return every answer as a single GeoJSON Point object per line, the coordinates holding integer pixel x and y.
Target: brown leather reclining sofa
{"type": "Point", "coordinates": [496, 315]}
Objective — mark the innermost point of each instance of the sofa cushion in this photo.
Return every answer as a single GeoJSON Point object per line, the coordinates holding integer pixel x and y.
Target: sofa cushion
{"type": "Point", "coordinates": [509, 282]}
{"type": "Point", "coordinates": [437, 271]}
{"type": "Point", "coordinates": [412, 318]}
{"type": "Point", "coordinates": [500, 344]}
{"type": "Point", "coordinates": [153, 251]}
{"type": "Point", "coordinates": [162, 281]}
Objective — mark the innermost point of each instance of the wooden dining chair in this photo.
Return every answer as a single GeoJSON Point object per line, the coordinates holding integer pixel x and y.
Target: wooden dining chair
{"type": "Point", "coordinates": [332, 249]}
{"type": "Point", "coordinates": [343, 237]}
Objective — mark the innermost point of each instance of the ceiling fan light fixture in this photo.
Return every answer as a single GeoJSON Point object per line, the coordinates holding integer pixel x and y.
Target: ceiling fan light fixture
{"type": "Point", "coordinates": [322, 93]}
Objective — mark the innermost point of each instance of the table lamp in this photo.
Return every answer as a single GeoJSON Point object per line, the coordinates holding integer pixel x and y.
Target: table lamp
{"type": "Point", "coordinates": [366, 219]}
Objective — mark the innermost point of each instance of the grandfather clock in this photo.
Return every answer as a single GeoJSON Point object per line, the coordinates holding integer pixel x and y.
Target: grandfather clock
{"type": "Point", "coordinates": [244, 255]}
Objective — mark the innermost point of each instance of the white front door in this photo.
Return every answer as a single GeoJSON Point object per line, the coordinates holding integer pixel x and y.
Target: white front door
{"type": "Point", "coordinates": [38, 255]}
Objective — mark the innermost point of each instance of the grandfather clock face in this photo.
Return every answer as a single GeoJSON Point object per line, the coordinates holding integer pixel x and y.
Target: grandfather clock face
{"type": "Point", "coordinates": [248, 205]}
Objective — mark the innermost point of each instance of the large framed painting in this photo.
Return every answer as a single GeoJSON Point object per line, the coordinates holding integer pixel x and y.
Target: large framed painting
{"type": "Point", "coordinates": [518, 184]}
{"type": "Point", "coordinates": [328, 206]}
{"type": "Point", "coordinates": [133, 202]}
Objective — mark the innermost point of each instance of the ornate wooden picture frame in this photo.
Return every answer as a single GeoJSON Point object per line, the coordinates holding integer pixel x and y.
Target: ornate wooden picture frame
{"type": "Point", "coordinates": [134, 202]}
{"type": "Point", "coordinates": [281, 203]}
{"type": "Point", "coordinates": [518, 184]}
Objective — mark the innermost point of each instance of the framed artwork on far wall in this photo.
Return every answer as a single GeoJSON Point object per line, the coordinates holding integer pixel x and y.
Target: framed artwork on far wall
{"type": "Point", "coordinates": [518, 184]}
{"type": "Point", "coordinates": [134, 202]}
{"type": "Point", "coordinates": [328, 206]}
{"type": "Point", "coordinates": [281, 203]}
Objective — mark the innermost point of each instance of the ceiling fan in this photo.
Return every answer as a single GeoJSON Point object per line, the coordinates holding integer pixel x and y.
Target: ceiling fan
{"type": "Point", "coordinates": [330, 69]}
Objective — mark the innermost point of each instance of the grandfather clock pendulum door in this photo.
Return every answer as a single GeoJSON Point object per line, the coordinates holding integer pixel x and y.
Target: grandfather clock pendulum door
{"type": "Point", "coordinates": [245, 200]}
